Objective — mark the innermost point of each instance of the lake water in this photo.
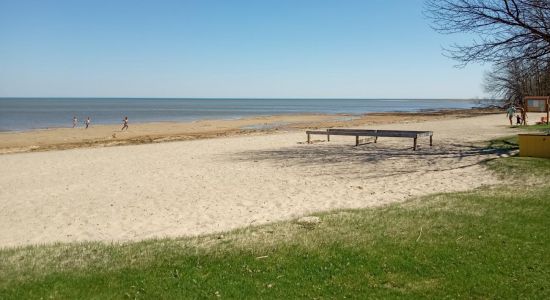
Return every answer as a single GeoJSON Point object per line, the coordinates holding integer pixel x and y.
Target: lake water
{"type": "Point", "coordinates": [31, 113]}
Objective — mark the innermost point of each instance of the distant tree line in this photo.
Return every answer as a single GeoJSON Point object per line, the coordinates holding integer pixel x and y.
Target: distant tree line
{"type": "Point", "coordinates": [512, 35]}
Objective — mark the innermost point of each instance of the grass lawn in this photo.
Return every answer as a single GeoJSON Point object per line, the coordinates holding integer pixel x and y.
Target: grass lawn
{"type": "Point", "coordinates": [540, 127]}
{"type": "Point", "coordinates": [492, 242]}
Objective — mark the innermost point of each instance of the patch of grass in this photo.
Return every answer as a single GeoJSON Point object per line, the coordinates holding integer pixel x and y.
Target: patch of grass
{"type": "Point", "coordinates": [487, 243]}
{"type": "Point", "coordinates": [505, 144]}
{"type": "Point", "coordinates": [525, 169]}
{"type": "Point", "coordinates": [540, 127]}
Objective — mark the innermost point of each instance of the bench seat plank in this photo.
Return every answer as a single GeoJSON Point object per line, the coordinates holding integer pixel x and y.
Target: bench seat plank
{"type": "Point", "coordinates": [372, 133]}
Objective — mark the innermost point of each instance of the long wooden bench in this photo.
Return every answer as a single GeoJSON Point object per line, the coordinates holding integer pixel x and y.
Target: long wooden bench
{"type": "Point", "coordinates": [372, 133]}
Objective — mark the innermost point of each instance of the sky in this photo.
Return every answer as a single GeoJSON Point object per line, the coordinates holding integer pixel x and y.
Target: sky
{"type": "Point", "coordinates": [228, 49]}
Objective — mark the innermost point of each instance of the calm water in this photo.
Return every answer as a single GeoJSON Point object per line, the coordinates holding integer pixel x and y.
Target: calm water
{"type": "Point", "coordinates": [31, 113]}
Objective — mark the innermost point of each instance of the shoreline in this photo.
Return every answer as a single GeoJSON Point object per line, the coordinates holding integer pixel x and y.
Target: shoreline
{"type": "Point", "coordinates": [155, 132]}
{"type": "Point", "coordinates": [82, 126]}
{"type": "Point", "coordinates": [245, 117]}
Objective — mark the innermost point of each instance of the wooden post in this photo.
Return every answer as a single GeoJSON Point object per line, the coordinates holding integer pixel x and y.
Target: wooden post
{"type": "Point", "coordinates": [356, 140]}
{"type": "Point", "coordinates": [414, 146]}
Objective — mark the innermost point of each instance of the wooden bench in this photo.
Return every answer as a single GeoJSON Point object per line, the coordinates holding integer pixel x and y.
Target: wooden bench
{"type": "Point", "coordinates": [372, 133]}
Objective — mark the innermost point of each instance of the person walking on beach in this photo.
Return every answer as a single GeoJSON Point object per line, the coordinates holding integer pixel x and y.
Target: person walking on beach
{"type": "Point", "coordinates": [125, 126]}
{"type": "Point", "coordinates": [88, 121]}
{"type": "Point", "coordinates": [523, 115]}
{"type": "Point", "coordinates": [510, 113]}
{"type": "Point", "coordinates": [75, 121]}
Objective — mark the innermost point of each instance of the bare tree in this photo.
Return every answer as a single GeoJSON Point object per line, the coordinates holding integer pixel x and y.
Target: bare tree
{"type": "Point", "coordinates": [506, 83]}
{"type": "Point", "coordinates": [515, 80]}
{"type": "Point", "coordinates": [506, 30]}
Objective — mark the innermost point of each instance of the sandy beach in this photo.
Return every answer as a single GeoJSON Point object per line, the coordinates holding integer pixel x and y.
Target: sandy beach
{"type": "Point", "coordinates": [182, 188]}
{"type": "Point", "coordinates": [142, 133]}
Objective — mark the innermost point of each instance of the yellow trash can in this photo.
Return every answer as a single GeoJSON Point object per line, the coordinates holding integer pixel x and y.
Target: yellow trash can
{"type": "Point", "coordinates": [534, 145]}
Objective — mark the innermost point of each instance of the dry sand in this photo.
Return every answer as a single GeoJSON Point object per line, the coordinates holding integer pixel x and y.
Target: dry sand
{"type": "Point", "coordinates": [193, 187]}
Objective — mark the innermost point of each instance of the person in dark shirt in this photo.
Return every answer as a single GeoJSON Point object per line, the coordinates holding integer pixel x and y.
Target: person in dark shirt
{"type": "Point", "coordinates": [125, 126]}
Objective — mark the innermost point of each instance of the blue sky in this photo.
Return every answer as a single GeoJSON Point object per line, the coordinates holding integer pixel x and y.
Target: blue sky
{"type": "Point", "coordinates": [227, 48]}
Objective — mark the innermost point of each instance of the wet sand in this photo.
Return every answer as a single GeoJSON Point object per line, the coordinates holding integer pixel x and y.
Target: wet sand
{"type": "Point", "coordinates": [111, 135]}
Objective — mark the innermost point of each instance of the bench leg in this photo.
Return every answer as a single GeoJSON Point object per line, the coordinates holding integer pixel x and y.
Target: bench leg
{"type": "Point", "coordinates": [328, 137]}
{"type": "Point", "coordinates": [414, 146]}
{"type": "Point", "coordinates": [430, 140]}
{"type": "Point", "coordinates": [356, 140]}
{"type": "Point", "coordinates": [375, 139]}
{"type": "Point", "coordinates": [308, 140]}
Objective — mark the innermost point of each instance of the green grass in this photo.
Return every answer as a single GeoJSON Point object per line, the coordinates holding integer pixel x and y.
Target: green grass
{"type": "Point", "coordinates": [487, 243]}
{"type": "Point", "coordinates": [522, 170]}
{"type": "Point", "coordinates": [517, 169]}
{"type": "Point", "coordinates": [505, 144]}
{"type": "Point", "coordinates": [540, 127]}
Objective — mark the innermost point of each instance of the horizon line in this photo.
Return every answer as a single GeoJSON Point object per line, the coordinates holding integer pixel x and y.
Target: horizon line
{"type": "Point", "coordinates": [245, 98]}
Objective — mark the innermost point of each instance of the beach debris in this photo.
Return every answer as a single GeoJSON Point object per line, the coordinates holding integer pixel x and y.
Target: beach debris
{"type": "Point", "coordinates": [308, 222]}
{"type": "Point", "coordinates": [114, 135]}
{"type": "Point", "coordinates": [419, 235]}
{"type": "Point", "coordinates": [262, 257]}
{"type": "Point", "coordinates": [316, 141]}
